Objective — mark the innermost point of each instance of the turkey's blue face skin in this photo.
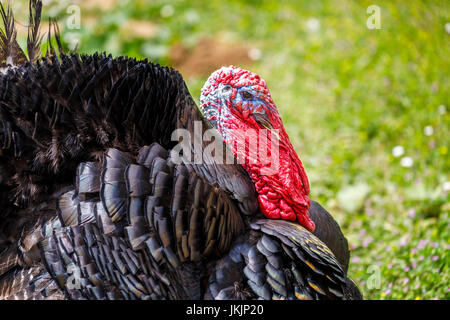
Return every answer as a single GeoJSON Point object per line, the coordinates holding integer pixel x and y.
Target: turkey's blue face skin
{"type": "Point", "coordinates": [214, 107]}
{"type": "Point", "coordinates": [245, 107]}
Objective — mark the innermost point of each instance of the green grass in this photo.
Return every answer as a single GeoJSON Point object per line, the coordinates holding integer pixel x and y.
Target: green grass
{"type": "Point", "coordinates": [348, 95]}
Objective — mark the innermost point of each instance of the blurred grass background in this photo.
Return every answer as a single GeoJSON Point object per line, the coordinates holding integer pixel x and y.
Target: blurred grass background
{"type": "Point", "coordinates": [367, 110]}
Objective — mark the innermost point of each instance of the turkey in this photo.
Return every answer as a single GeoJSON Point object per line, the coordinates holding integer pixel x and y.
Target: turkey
{"type": "Point", "coordinates": [99, 201]}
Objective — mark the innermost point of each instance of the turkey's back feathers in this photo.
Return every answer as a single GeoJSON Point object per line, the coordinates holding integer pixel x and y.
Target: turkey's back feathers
{"type": "Point", "coordinates": [33, 283]}
{"type": "Point", "coordinates": [56, 114]}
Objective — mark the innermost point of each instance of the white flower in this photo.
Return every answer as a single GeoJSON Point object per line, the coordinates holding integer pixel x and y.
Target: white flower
{"type": "Point", "coordinates": [254, 54]}
{"type": "Point", "coordinates": [313, 24]}
{"type": "Point", "coordinates": [447, 27]}
{"type": "Point", "coordinates": [407, 162]}
{"type": "Point", "coordinates": [442, 109]}
{"type": "Point", "coordinates": [192, 16]}
{"type": "Point", "coordinates": [398, 151]}
{"type": "Point", "coordinates": [167, 11]}
{"type": "Point", "coordinates": [446, 186]}
{"type": "Point", "coordinates": [428, 131]}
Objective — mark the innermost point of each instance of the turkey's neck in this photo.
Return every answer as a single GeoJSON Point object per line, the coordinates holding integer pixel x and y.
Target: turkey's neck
{"type": "Point", "coordinates": [215, 169]}
{"type": "Point", "coordinates": [278, 175]}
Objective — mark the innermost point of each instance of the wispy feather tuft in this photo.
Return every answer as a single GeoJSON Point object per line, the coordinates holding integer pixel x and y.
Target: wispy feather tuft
{"type": "Point", "coordinates": [34, 38]}
{"type": "Point", "coordinates": [50, 49]}
{"type": "Point", "coordinates": [10, 51]}
{"type": "Point", "coordinates": [57, 35]}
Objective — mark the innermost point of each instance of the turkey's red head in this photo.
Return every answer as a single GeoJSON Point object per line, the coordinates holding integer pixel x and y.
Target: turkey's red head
{"type": "Point", "coordinates": [237, 102]}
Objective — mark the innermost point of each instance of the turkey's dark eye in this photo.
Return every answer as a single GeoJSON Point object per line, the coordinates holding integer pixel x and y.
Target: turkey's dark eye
{"type": "Point", "coordinates": [226, 88]}
{"type": "Point", "coordinates": [247, 95]}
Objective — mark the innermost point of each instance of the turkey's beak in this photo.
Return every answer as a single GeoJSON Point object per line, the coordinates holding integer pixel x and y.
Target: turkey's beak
{"type": "Point", "coordinates": [263, 121]}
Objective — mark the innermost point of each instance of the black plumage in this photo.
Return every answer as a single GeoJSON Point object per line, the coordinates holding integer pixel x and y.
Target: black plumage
{"type": "Point", "coordinates": [94, 207]}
